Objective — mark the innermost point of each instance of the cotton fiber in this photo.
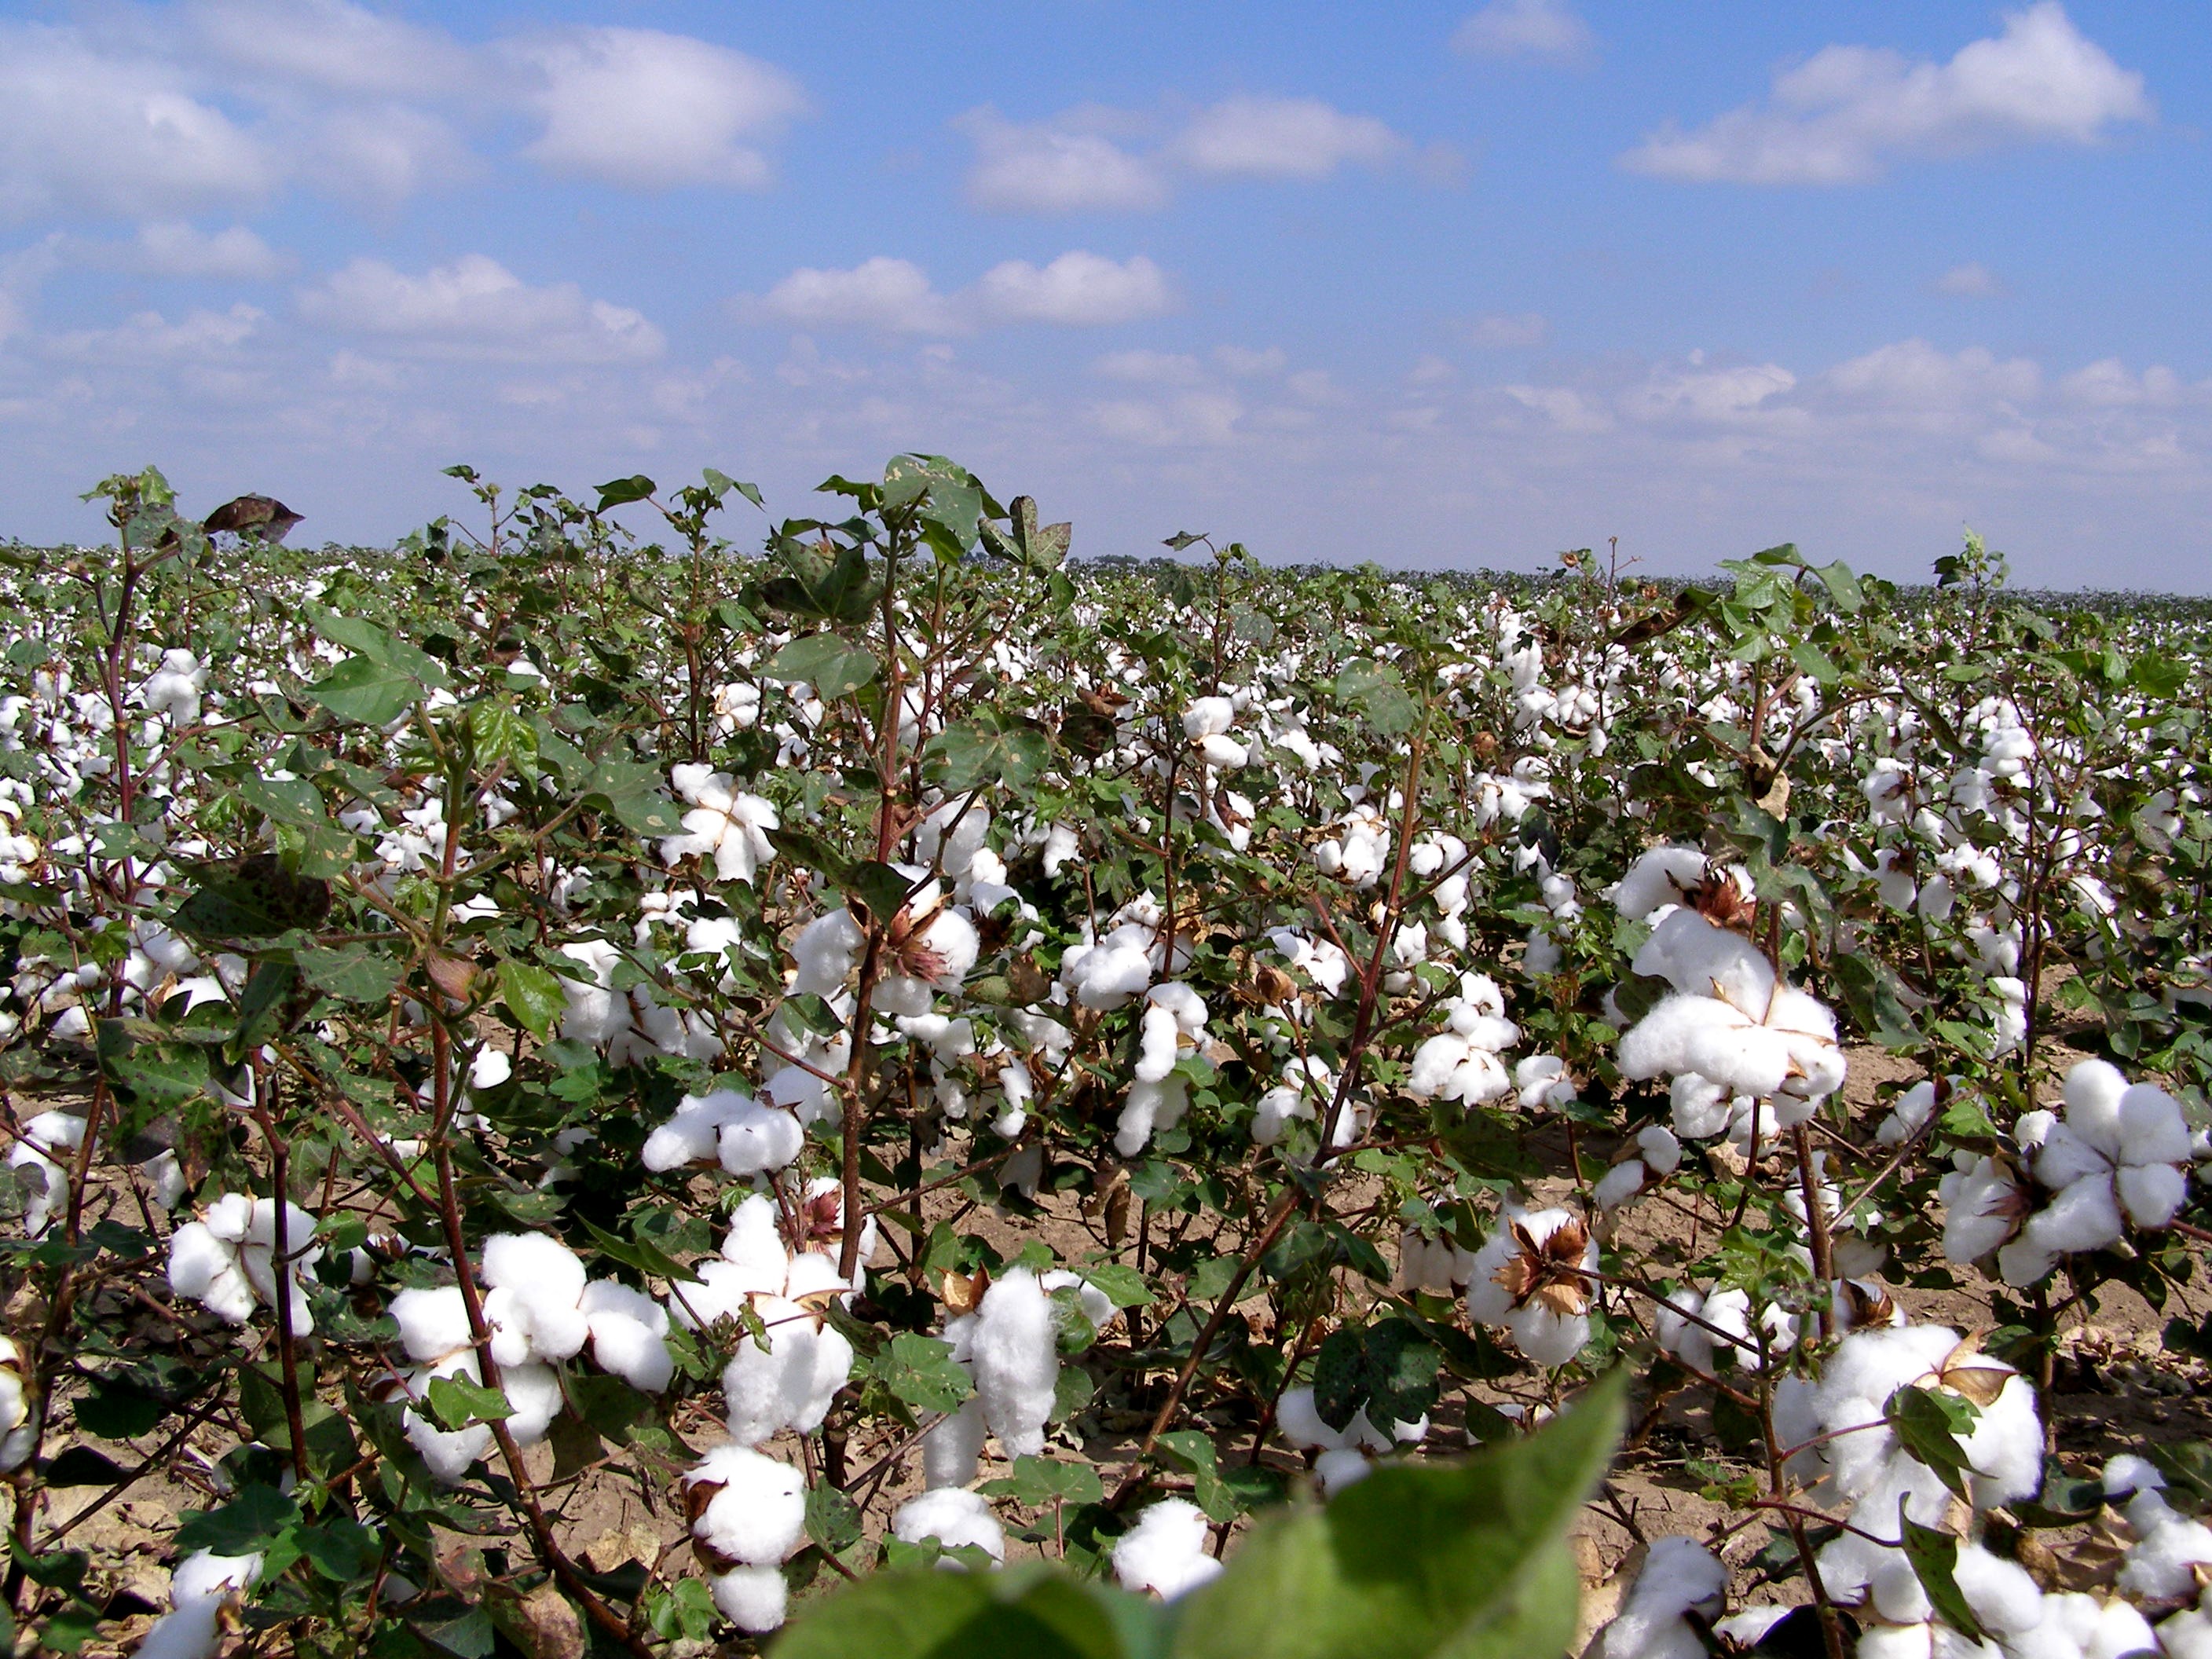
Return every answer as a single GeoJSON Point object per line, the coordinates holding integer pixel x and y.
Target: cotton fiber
{"type": "Point", "coordinates": [1165, 1551]}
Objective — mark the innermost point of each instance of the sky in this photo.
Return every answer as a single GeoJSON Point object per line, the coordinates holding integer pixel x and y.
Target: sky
{"type": "Point", "coordinates": [1436, 285]}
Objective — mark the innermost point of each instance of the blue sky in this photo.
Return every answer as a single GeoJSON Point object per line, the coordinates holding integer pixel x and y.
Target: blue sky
{"type": "Point", "coordinates": [1443, 285]}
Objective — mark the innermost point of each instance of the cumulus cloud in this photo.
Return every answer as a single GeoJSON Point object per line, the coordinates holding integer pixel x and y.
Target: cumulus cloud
{"type": "Point", "coordinates": [172, 248]}
{"type": "Point", "coordinates": [1845, 114]}
{"type": "Point", "coordinates": [1525, 28]}
{"type": "Point", "coordinates": [1085, 159]}
{"type": "Point", "coordinates": [652, 111]}
{"type": "Point", "coordinates": [1282, 138]}
{"type": "Point", "coordinates": [1149, 367]}
{"type": "Point", "coordinates": [1078, 290]}
{"type": "Point", "coordinates": [1502, 330]}
{"type": "Point", "coordinates": [1055, 167]}
{"type": "Point", "coordinates": [1972, 281]}
{"type": "Point", "coordinates": [477, 307]}
{"type": "Point", "coordinates": [201, 335]}
{"type": "Point", "coordinates": [331, 45]}
{"type": "Point", "coordinates": [84, 134]}
{"type": "Point", "coordinates": [1912, 375]}
{"type": "Point", "coordinates": [1207, 419]}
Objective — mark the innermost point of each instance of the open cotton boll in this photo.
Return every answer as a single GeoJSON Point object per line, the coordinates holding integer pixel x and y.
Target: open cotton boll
{"type": "Point", "coordinates": [1438, 1265]}
{"type": "Point", "coordinates": [953, 1518]}
{"type": "Point", "coordinates": [2162, 1563]}
{"type": "Point", "coordinates": [533, 1399]}
{"type": "Point", "coordinates": [694, 1135]}
{"type": "Point", "coordinates": [1338, 1468]}
{"type": "Point", "coordinates": [1528, 1280]}
{"type": "Point", "coordinates": [756, 1139]}
{"type": "Point", "coordinates": [1698, 958]}
{"type": "Point", "coordinates": [725, 823]}
{"type": "Point", "coordinates": [1679, 1575]}
{"type": "Point", "coordinates": [754, 1599]}
{"type": "Point", "coordinates": [1112, 973]}
{"type": "Point", "coordinates": [826, 952]}
{"type": "Point", "coordinates": [1165, 1551]}
{"type": "Point", "coordinates": [1660, 877]}
{"type": "Point", "coordinates": [1147, 1108]}
{"type": "Point", "coordinates": [628, 1335]}
{"type": "Point", "coordinates": [1014, 1350]}
{"type": "Point", "coordinates": [447, 1454]}
{"type": "Point", "coordinates": [790, 1383]}
{"type": "Point", "coordinates": [546, 1280]}
{"type": "Point", "coordinates": [952, 1447]}
{"type": "Point", "coordinates": [202, 1584]}
{"type": "Point", "coordinates": [755, 1510]}
{"type": "Point", "coordinates": [1208, 717]}
{"type": "Point", "coordinates": [434, 1322]}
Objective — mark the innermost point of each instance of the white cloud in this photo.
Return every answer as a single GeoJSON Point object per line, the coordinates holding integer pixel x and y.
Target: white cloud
{"type": "Point", "coordinates": [1282, 138]}
{"type": "Point", "coordinates": [1243, 361]}
{"type": "Point", "coordinates": [1912, 375]}
{"type": "Point", "coordinates": [332, 45]}
{"type": "Point", "coordinates": [1076, 290]}
{"type": "Point", "coordinates": [475, 307]}
{"type": "Point", "coordinates": [1201, 418]}
{"type": "Point", "coordinates": [1503, 331]}
{"type": "Point", "coordinates": [1566, 408]}
{"type": "Point", "coordinates": [1847, 111]}
{"type": "Point", "coordinates": [1972, 281]}
{"type": "Point", "coordinates": [1697, 395]}
{"type": "Point", "coordinates": [385, 152]}
{"type": "Point", "coordinates": [2109, 383]}
{"type": "Point", "coordinates": [173, 248]}
{"type": "Point", "coordinates": [650, 110]}
{"type": "Point", "coordinates": [201, 335]}
{"type": "Point", "coordinates": [891, 294]}
{"type": "Point", "coordinates": [1149, 367]}
{"type": "Point", "coordinates": [1054, 168]}
{"type": "Point", "coordinates": [84, 134]}
{"type": "Point", "coordinates": [1525, 28]}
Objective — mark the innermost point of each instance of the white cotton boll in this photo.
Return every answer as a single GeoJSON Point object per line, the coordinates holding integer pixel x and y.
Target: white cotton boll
{"type": "Point", "coordinates": [1660, 1150]}
{"type": "Point", "coordinates": [754, 1599]}
{"type": "Point", "coordinates": [2094, 1089]}
{"type": "Point", "coordinates": [1226, 753]}
{"type": "Point", "coordinates": [1300, 1421]}
{"type": "Point", "coordinates": [193, 1630]}
{"type": "Point", "coordinates": [546, 1278]}
{"type": "Point", "coordinates": [2083, 1217]}
{"type": "Point", "coordinates": [533, 1399]}
{"type": "Point", "coordinates": [2151, 1195]}
{"type": "Point", "coordinates": [1015, 1354]}
{"type": "Point", "coordinates": [1149, 1107]}
{"type": "Point", "coordinates": [952, 1447]}
{"type": "Point", "coordinates": [1681, 1336]}
{"type": "Point", "coordinates": [509, 1325]}
{"type": "Point", "coordinates": [1435, 1265]}
{"type": "Point", "coordinates": [2162, 1563]}
{"type": "Point", "coordinates": [1165, 1551]}
{"type": "Point", "coordinates": [2119, 1632]}
{"type": "Point", "coordinates": [693, 1134]}
{"type": "Point", "coordinates": [2001, 1594]}
{"type": "Point", "coordinates": [1340, 1467]}
{"type": "Point", "coordinates": [758, 1139]}
{"type": "Point", "coordinates": [1660, 877]}
{"type": "Point", "coordinates": [2187, 1635]}
{"type": "Point", "coordinates": [447, 1455]}
{"type": "Point", "coordinates": [757, 1514]}
{"type": "Point", "coordinates": [1620, 1184]}
{"type": "Point", "coordinates": [826, 950]}
{"type": "Point", "coordinates": [206, 1270]}
{"type": "Point", "coordinates": [754, 1245]}
{"type": "Point", "coordinates": [2151, 1127]}
{"type": "Point", "coordinates": [2126, 1474]}
{"type": "Point", "coordinates": [954, 1518]}
{"type": "Point", "coordinates": [1983, 1206]}
{"type": "Point", "coordinates": [629, 1334]}
{"type": "Point", "coordinates": [434, 1322]}
{"type": "Point", "coordinates": [788, 1384]}
{"type": "Point", "coordinates": [1700, 959]}
{"type": "Point", "coordinates": [1158, 1045]}
{"type": "Point", "coordinates": [2066, 1156]}
{"type": "Point", "coordinates": [1208, 717]}
{"type": "Point", "coordinates": [1097, 1306]}
{"type": "Point", "coordinates": [1701, 1107]}
{"type": "Point", "coordinates": [204, 1573]}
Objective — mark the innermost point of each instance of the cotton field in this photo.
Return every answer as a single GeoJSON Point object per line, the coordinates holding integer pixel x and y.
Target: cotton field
{"type": "Point", "coordinates": [854, 1084]}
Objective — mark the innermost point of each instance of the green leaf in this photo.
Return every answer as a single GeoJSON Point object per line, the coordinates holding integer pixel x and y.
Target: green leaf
{"type": "Point", "coordinates": [1379, 694]}
{"type": "Point", "coordinates": [988, 748]}
{"type": "Point", "coordinates": [1124, 1286]}
{"type": "Point", "coordinates": [118, 1408]}
{"type": "Point", "coordinates": [921, 1371]}
{"type": "Point", "coordinates": [620, 492]}
{"type": "Point", "coordinates": [1934, 1557]}
{"type": "Point", "coordinates": [240, 1527]}
{"type": "Point", "coordinates": [828, 663]}
{"type": "Point", "coordinates": [1929, 1425]}
{"type": "Point", "coordinates": [1467, 1559]}
{"type": "Point", "coordinates": [1029, 1611]}
{"type": "Point", "coordinates": [1036, 1481]}
{"type": "Point", "coordinates": [1388, 1368]}
{"type": "Point", "coordinates": [832, 1521]}
{"type": "Point", "coordinates": [351, 973]}
{"type": "Point", "coordinates": [532, 994]}
{"type": "Point", "coordinates": [81, 1466]}
{"type": "Point", "coordinates": [634, 794]}
{"type": "Point", "coordinates": [456, 1402]}
{"type": "Point", "coordinates": [363, 692]}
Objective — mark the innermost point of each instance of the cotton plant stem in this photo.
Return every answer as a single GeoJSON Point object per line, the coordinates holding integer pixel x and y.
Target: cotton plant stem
{"type": "Point", "coordinates": [1816, 1226]}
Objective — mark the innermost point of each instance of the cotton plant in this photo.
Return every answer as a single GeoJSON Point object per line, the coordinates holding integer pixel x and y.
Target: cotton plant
{"type": "Point", "coordinates": [1532, 1278]}
{"type": "Point", "coordinates": [2115, 1155]}
{"type": "Point", "coordinates": [1174, 1022]}
{"type": "Point", "coordinates": [226, 1260]}
{"type": "Point", "coordinates": [747, 1513]}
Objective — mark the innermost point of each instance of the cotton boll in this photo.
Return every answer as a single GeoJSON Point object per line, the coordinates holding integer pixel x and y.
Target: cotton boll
{"type": "Point", "coordinates": [1016, 1356]}
{"type": "Point", "coordinates": [826, 950]}
{"type": "Point", "coordinates": [628, 1335]}
{"type": "Point", "coordinates": [2161, 1565]}
{"type": "Point", "coordinates": [1620, 1184]}
{"type": "Point", "coordinates": [756, 1511]}
{"type": "Point", "coordinates": [952, 1446]}
{"type": "Point", "coordinates": [753, 1599]}
{"type": "Point", "coordinates": [447, 1455]}
{"type": "Point", "coordinates": [1342, 1466]}
{"type": "Point", "coordinates": [2003, 1596]}
{"type": "Point", "coordinates": [533, 1399]}
{"type": "Point", "coordinates": [693, 1135]}
{"type": "Point", "coordinates": [1679, 1575]}
{"type": "Point", "coordinates": [1148, 1108]}
{"type": "Point", "coordinates": [1661, 877]}
{"type": "Point", "coordinates": [546, 1281]}
{"type": "Point", "coordinates": [788, 1384]}
{"type": "Point", "coordinates": [1984, 1206]}
{"type": "Point", "coordinates": [1661, 1152]}
{"type": "Point", "coordinates": [1165, 1551]}
{"type": "Point", "coordinates": [432, 1322]}
{"type": "Point", "coordinates": [206, 1270]}
{"type": "Point", "coordinates": [954, 1518]}
{"type": "Point", "coordinates": [758, 1139]}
